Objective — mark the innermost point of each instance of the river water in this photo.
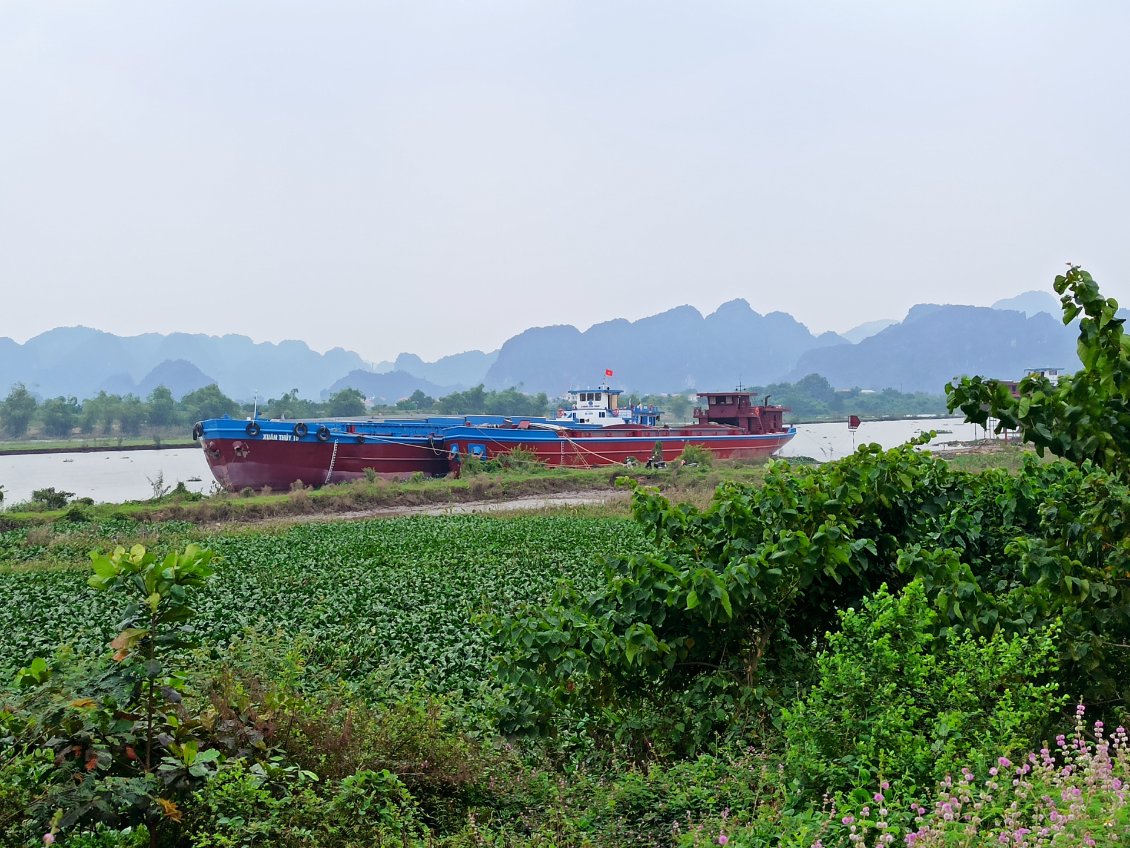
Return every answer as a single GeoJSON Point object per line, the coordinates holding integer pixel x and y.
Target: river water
{"type": "Point", "coordinates": [110, 476]}
{"type": "Point", "coordinates": [117, 476]}
{"type": "Point", "coordinates": [825, 442]}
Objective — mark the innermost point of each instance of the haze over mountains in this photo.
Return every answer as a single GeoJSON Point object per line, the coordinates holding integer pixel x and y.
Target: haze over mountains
{"type": "Point", "coordinates": [673, 351]}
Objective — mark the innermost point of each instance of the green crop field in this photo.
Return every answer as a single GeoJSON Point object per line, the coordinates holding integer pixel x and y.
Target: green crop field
{"type": "Point", "coordinates": [393, 599]}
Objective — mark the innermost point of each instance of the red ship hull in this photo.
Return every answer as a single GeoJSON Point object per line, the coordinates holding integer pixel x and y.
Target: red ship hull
{"type": "Point", "coordinates": [615, 445]}
{"type": "Point", "coordinates": [253, 463]}
{"type": "Point", "coordinates": [259, 453]}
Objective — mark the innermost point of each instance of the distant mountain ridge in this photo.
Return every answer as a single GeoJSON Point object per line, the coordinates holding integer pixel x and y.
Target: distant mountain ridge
{"type": "Point", "coordinates": [81, 361]}
{"type": "Point", "coordinates": [867, 329]}
{"type": "Point", "coordinates": [673, 351]}
{"type": "Point", "coordinates": [935, 343]}
{"type": "Point", "coordinates": [1032, 303]}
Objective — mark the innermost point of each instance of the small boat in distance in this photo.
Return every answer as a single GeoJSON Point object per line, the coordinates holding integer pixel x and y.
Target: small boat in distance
{"type": "Point", "coordinates": [592, 431]}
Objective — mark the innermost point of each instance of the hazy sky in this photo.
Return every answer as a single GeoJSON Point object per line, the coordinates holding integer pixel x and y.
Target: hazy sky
{"type": "Point", "coordinates": [437, 176]}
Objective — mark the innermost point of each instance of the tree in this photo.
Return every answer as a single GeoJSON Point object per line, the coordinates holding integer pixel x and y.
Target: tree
{"type": "Point", "coordinates": [99, 413]}
{"type": "Point", "coordinates": [464, 403]}
{"type": "Point", "coordinates": [162, 411]}
{"type": "Point", "coordinates": [346, 403]}
{"type": "Point", "coordinates": [131, 415]}
{"type": "Point", "coordinates": [416, 401]}
{"type": "Point", "coordinates": [208, 402]}
{"type": "Point", "coordinates": [1081, 417]}
{"type": "Point", "coordinates": [290, 405]}
{"type": "Point", "coordinates": [59, 415]}
{"type": "Point", "coordinates": [17, 410]}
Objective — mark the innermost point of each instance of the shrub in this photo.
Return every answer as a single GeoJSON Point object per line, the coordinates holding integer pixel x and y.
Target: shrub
{"type": "Point", "coordinates": [275, 804]}
{"type": "Point", "coordinates": [696, 455]}
{"type": "Point", "coordinates": [50, 498]}
{"type": "Point", "coordinates": [517, 459]}
{"type": "Point", "coordinates": [122, 745]}
{"type": "Point", "coordinates": [1071, 793]}
{"type": "Point", "coordinates": [891, 705]}
{"type": "Point", "coordinates": [21, 780]}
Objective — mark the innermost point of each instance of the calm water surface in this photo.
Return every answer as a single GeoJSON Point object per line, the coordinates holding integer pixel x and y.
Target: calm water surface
{"type": "Point", "coordinates": [117, 476]}
{"type": "Point", "coordinates": [823, 442]}
{"type": "Point", "coordinates": [111, 477]}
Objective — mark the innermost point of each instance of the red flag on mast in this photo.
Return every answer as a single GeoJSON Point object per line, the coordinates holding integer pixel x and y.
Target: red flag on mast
{"type": "Point", "coordinates": [853, 422]}
{"type": "Point", "coordinates": [607, 372]}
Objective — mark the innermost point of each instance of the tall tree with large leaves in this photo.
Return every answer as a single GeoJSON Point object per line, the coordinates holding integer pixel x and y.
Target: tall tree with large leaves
{"type": "Point", "coordinates": [1083, 416]}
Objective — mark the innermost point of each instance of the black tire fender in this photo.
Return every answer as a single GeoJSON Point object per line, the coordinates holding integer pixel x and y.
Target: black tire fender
{"type": "Point", "coordinates": [300, 429]}
{"type": "Point", "coordinates": [323, 433]}
{"type": "Point", "coordinates": [252, 428]}
{"type": "Point", "coordinates": [360, 438]}
{"type": "Point", "coordinates": [197, 431]}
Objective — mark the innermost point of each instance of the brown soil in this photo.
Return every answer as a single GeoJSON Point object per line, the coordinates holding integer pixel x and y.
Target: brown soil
{"type": "Point", "coordinates": [586, 498]}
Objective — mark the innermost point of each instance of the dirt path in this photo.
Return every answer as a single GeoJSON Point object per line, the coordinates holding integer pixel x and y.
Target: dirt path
{"type": "Point", "coordinates": [543, 501]}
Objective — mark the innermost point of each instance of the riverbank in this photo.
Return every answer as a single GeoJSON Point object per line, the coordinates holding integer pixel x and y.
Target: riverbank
{"type": "Point", "coordinates": [28, 447]}
{"type": "Point", "coordinates": [510, 489]}
{"type": "Point", "coordinates": [694, 484]}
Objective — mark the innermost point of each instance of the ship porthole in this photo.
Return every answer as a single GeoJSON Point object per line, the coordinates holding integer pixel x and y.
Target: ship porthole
{"type": "Point", "coordinates": [253, 429]}
{"type": "Point", "coordinates": [323, 433]}
{"type": "Point", "coordinates": [300, 429]}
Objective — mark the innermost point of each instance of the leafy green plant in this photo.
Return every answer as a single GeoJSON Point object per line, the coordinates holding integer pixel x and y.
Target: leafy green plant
{"type": "Point", "coordinates": [708, 632]}
{"type": "Point", "coordinates": [676, 643]}
{"type": "Point", "coordinates": [1072, 792]}
{"type": "Point", "coordinates": [1081, 417]}
{"type": "Point", "coordinates": [50, 498]}
{"type": "Point", "coordinates": [890, 704]}
{"type": "Point", "coordinates": [123, 746]}
{"type": "Point", "coordinates": [518, 459]}
{"type": "Point", "coordinates": [696, 455]}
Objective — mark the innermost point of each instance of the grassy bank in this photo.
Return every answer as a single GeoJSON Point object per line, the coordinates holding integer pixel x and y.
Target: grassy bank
{"type": "Point", "coordinates": [693, 484]}
{"type": "Point", "coordinates": [173, 439]}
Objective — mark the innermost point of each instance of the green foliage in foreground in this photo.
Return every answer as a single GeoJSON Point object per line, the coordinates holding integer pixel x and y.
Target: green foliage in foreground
{"type": "Point", "coordinates": [696, 638]}
{"type": "Point", "coordinates": [379, 669]}
{"type": "Point", "coordinates": [1084, 417]}
{"type": "Point", "coordinates": [893, 702]}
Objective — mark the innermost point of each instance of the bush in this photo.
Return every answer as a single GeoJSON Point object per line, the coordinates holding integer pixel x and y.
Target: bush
{"type": "Point", "coordinates": [517, 459]}
{"type": "Point", "coordinates": [22, 777]}
{"type": "Point", "coordinates": [267, 697]}
{"type": "Point", "coordinates": [696, 455]}
{"type": "Point", "coordinates": [50, 498]}
{"type": "Point", "coordinates": [890, 705]}
{"type": "Point", "coordinates": [1072, 793]}
{"type": "Point", "coordinates": [276, 804]}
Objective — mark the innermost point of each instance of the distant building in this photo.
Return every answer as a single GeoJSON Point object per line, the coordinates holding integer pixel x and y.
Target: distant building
{"type": "Point", "coordinates": [1051, 374]}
